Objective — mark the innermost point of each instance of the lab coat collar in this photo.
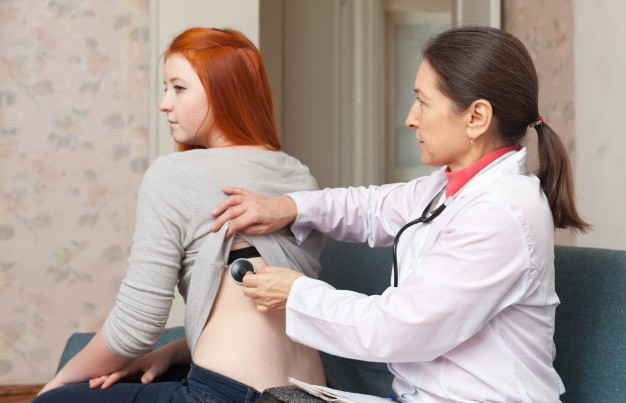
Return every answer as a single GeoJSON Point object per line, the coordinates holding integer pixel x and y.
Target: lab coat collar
{"type": "Point", "coordinates": [511, 163]}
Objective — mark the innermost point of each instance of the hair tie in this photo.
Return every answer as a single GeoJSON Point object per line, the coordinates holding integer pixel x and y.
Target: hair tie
{"type": "Point", "coordinates": [540, 120]}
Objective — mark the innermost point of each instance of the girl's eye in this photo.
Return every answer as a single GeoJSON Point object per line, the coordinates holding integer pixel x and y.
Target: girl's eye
{"type": "Point", "coordinates": [177, 89]}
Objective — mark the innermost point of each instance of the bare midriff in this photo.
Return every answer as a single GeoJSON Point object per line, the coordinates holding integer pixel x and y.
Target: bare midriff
{"type": "Point", "coordinates": [249, 346]}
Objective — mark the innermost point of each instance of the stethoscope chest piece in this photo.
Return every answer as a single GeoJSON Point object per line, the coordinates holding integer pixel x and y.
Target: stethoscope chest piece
{"type": "Point", "coordinates": [239, 268]}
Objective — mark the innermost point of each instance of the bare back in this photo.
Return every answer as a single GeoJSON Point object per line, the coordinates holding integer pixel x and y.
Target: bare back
{"type": "Point", "coordinates": [252, 347]}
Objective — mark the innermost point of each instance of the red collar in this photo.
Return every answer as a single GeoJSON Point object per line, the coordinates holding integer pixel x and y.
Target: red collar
{"type": "Point", "coordinates": [458, 179]}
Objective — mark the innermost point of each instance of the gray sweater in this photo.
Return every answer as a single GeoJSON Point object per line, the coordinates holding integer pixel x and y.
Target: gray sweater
{"type": "Point", "coordinates": [176, 197]}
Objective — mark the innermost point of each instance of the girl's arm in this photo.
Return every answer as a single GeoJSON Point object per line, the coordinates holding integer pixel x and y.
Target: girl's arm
{"type": "Point", "coordinates": [145, 297]}
{"type": "Point", "coordinates": [92, 361]}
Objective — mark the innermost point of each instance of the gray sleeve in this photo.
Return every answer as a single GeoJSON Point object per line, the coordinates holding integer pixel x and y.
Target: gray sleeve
{"type": "Point", "coordinates": [146, 293]}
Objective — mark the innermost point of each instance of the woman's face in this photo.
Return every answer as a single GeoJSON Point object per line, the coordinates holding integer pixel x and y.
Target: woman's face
{"type": "Point", "coordinates": [185, 103]}
{"type": "Point", "coordinates": [441, 134]}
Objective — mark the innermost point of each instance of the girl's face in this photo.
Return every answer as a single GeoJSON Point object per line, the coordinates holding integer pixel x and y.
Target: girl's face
{"type": "Point", "coordinates": [442, 134]}
{"type": "Point", "coordinates": [186, 105]}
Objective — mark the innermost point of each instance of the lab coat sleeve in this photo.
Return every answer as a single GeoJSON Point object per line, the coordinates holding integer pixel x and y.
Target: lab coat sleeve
{"type": "Point", "coordinates": [478, 267]}
{"type": "Point", "coordinates": [357, 214]}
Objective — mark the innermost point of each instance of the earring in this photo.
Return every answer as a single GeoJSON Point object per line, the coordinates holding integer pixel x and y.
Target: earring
{"type": "Point", "coordinates": [471, 141]}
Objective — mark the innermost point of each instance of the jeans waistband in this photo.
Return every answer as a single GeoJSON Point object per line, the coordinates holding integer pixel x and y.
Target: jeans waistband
{"type": "Point", "coordinates": [202, 380]}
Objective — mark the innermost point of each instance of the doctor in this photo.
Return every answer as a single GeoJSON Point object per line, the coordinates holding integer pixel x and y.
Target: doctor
{"type": "Point", "coordinates": [472, 316]}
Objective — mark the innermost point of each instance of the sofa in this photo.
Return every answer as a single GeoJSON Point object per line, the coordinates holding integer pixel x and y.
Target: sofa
{"type": "Point", "coordinates": [590, 333]}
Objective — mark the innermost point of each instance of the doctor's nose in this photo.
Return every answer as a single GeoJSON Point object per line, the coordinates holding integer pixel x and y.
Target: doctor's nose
{"type": "Point", "coordinates": [411, 121]}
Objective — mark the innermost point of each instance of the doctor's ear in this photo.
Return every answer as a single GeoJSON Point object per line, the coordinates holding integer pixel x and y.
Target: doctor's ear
{"type": "Point", "coordinates": [479, 115]}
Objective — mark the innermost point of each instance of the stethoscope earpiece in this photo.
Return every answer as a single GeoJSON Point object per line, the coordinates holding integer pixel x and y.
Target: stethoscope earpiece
{"type": "Point", "coordinates": [239, 268]}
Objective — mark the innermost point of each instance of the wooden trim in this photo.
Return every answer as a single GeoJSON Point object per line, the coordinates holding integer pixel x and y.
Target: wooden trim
{"type": "Point", "coordinates": [11, 390]}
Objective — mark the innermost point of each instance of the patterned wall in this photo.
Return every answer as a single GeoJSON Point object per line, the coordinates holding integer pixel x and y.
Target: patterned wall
{"type": "Point", "coordinates": [546, 27]}
{"type": "Point", "coordinates": [73, 148]}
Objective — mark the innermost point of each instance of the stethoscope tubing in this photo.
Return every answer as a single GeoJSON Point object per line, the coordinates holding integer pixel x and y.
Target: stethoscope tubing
{"type": "Point", "coordinates": [424, 219]}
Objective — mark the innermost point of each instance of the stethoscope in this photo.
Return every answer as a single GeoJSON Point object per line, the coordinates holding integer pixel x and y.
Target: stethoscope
{"type": "Point", "coordinates": [424, 219]}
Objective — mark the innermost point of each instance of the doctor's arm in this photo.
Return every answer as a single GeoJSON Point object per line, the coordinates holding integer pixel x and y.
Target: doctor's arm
{"type": "Point", "coordinates": [471, 274]}
{"type": "Point", "coordinates": [253, 213]}
{"type": "Point", "coordinates": [357, 214]}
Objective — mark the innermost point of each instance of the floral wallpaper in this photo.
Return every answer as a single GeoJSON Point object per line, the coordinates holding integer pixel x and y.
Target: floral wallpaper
{"type": "Point", "coordinates": [73, 149]}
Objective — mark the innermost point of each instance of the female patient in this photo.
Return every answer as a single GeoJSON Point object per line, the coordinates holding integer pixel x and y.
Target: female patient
{"type": "Point", "coordinates": [219, 107]}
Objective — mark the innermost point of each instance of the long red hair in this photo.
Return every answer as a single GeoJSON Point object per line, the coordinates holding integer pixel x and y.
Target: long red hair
{"type": "Point", "coordinates": [232, 73]}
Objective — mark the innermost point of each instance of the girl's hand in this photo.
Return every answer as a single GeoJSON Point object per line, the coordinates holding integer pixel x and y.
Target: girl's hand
{"type": "Point", "coordinates": [270, 287]}
{"type": "Point", "coordinates": [151, 365]}
{"type": "Point", "coordinates": [253, 213]}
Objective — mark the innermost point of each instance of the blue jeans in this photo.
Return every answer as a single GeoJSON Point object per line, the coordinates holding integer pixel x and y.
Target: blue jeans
{"type": "Point", "coordinates": [201, 386]}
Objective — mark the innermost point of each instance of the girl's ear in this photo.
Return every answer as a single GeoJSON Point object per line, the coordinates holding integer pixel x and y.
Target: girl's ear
{"type": "Point", "coordinates": [479, 115]}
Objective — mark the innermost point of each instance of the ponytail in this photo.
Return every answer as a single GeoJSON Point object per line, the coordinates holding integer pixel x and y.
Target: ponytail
{"type": "Point", "coordinates": [555, 176]}
{"type": "Point", "coordinates": [474, 62]}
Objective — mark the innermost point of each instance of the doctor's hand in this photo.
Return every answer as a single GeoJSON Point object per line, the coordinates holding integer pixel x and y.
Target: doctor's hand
{"type": "Point", "coordinates": [253, 213]}
{"type": "Point", "coordinates": [270, 287]}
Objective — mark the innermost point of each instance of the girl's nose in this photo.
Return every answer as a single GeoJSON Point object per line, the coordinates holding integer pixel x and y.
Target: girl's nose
{"type": "Point", "coordinates": [165, 105]}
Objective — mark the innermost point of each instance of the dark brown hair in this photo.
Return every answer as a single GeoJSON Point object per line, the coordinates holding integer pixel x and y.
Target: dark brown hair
{"type": "Point", "coordinates": [475, 62]}
{"type": "Point", "coordinates": [232, 73]}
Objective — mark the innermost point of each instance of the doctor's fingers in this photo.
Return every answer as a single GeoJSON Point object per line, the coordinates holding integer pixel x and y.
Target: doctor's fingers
{"type": "Point", "coordinates": [263, 284]}
{"type": "Point", "coordinates": [269, 305]}
{"type": "Point", "coordinates": [226, 211]}
{"type": "Point", "coordinates": [263, 302]}
{"type": "Point", "coordinates": [271, 283]}
{"type": "Point", "coordinates": [247, 214]}
{"type": "Point", "coordinates": [235, 196]}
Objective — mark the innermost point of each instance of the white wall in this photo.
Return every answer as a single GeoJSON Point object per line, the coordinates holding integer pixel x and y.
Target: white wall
{"type": "Point", "coordinates": [167, 19]}
{"type": "Point", "coordinates": [600, 120]}
{"type": "Point", "coordinates": [170, 17]}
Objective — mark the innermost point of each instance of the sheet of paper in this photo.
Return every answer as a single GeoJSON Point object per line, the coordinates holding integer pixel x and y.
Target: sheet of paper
{"type": "Point", "coordinates": [332, 395]}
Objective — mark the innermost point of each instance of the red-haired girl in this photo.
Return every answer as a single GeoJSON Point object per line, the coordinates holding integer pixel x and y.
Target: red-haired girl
{"type": "Point", "coordinates": [219, 106]}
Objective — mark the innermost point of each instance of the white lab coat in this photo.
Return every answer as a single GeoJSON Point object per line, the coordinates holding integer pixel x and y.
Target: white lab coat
{"type": "Point", "coordinates": [472, 319]}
